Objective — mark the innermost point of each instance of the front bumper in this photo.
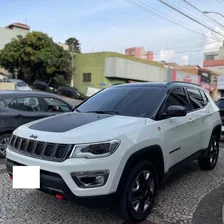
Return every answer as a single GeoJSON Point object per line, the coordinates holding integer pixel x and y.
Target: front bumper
{"type": "Point", "coordinates": [62, 171]}
{"type": "Point", "coordinates": [52, 183]}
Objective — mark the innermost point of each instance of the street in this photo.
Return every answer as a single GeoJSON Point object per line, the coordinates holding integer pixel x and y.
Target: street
{"type": "Point", "coordinates": [176, 202]}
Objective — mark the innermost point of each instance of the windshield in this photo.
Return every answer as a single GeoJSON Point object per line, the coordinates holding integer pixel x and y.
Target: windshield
{"type": "Point", "coordinates": [126, 101]}
{"type": "Point", "coordinates": [21, 84]}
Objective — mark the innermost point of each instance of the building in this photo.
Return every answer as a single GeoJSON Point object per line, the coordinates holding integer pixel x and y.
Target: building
{"type": "Point", "coordinates": [94, 71]}
{"type": "Point", "coordinates": [12, 31]}
{"type": "Point", "coordinates": [214, 61]}
{"type": "Point", "coordinates": [8, 33]}
{"type": "Point", "coordinates": [139, 52]}
{"type": "Point", "coordinates": [208, 78]}
{"type": "Point", "coordinates": [64, 46]}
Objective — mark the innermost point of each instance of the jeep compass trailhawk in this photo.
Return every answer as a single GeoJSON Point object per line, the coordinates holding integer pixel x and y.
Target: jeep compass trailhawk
{"type": "Point", "coordinates": [124, 141]}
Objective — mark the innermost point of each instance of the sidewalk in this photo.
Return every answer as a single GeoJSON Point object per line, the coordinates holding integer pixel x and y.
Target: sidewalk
{"type": "Point", "coordinates": [209, 210]}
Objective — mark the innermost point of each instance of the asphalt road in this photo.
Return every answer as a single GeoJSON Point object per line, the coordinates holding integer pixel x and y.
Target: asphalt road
{"type": "Point", "coordinates": [176, 203]}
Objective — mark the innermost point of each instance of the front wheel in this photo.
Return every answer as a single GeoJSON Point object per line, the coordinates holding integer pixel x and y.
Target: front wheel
{"type": "Point", "coordinates": [139, 192]}
{"type": "Point", "coordinates": [4, 142]}
{"type": "Point", "coordinates": [209, 162]}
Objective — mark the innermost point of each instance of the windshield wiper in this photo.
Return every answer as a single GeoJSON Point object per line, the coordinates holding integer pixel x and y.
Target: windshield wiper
{"type": "Point", "coordinates": [103, 112]}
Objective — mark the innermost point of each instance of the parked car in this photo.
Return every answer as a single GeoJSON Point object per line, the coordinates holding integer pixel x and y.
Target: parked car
{"type": "Point", "coordinates": [20, 85]}
{"type": "Point", "coordinates": [70, 92]}
{"type": "Point", "coordinates": [121, 143]}
{"type": "Point", "coordinates": [20, 107]}
{"type": "Point", "coordinates": [220, 104]}
{"type": "Point", "coordinates": [44, 85]}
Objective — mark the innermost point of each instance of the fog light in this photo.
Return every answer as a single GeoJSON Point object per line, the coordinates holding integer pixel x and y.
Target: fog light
{"type": "Point", "coordinates": [91, 179]}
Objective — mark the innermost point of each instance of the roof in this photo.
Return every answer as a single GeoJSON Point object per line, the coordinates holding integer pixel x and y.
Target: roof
{"type": "Point", "coordinates": [156, 84]}
{"type": "Point", "coordinates": [15, 80]}
{"type": "Point", "coordinates": [211, 63]}
{"type": "Point", "coordinates": [119, 55]}
{"type": "Point", "coordinates": [24, 93]}
{"type": "Point", "coordinates": [21, 25]}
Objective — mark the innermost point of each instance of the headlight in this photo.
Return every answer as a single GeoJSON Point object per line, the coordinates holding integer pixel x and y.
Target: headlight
{"type": "Point", "coordinates": [95, 150]}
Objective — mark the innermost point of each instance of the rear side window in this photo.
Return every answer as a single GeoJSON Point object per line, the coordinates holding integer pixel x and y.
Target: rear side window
{"type": "Point", "coordinates": [25, 104]}
{"type": "Point", "coordinates": [205, 99]}
{"type": "Point", "coordinates": [195, 98]}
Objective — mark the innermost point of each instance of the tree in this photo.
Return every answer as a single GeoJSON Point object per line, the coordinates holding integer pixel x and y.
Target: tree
{"type": "Point", "coordinates": [73, 45]}
{"type": "Point", "coordinates": [36, 56]}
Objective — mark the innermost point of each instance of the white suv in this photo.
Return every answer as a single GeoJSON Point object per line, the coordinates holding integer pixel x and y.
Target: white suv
{"type": "Point", "coordinates": [122, 142]}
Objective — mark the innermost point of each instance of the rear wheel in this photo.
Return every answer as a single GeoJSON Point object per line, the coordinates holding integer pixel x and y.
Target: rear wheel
{"type": "Point", "coordinates": [4, 142]}
{"type": "Point", "coordinates": [139, 192]}
{"type": "Point", "coordinates": [209, 162]}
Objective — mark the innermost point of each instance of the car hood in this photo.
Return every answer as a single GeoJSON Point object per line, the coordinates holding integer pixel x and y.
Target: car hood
{"type": "Point", "coordinates": [79, 127]}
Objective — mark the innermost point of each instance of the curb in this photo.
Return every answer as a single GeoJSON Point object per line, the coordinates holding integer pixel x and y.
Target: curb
{"type": "Point", "coordinates": [223, 213]}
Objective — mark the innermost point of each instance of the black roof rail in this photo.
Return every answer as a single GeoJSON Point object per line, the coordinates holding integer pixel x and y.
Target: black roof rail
{"type": "Point", "coordinates": [181, 82]}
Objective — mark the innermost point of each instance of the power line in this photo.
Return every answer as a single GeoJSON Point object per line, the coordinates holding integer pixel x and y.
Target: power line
{"type": "Point", "coordinates": [183, 51]}
{"type": "Point", "coordinates": [202, 13]}
{"type": "Point", "coordinates": [148, 8]}
{"type": "Point", "coordinates": [196, 21]}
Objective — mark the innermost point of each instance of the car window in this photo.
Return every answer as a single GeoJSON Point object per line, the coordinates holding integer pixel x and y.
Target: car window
{"type": "Point", "coordinates": [127, 101]}
{"type": "Point", "coordinates": [21, 84]}
{"type": "Point", "coordinates": [177, 97]}
{"type": "Point", "coordinates": [205, 99]}
{"type": "Point", "coordinates": [56, 105]}
{"type": "Point", "coordinates": [195, 98]}
{"type": "Point", "coordinates": [25, 104]}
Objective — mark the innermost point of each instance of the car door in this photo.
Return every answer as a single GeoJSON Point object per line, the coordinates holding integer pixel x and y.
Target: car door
{"type": "Point", "coordinates": [200, 112]}
{"type": "Point", "coordinates": [53, 106]}
{"type": "Point", "coordinates": [178, 130]}
{"type": "Point", "coordinates": [24, 109]}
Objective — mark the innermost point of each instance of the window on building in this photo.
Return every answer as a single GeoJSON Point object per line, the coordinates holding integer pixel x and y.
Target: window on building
{"type": "Point", "coordinates": [210, 57]}
{"type": "Point", "coordinates": [86, 77]}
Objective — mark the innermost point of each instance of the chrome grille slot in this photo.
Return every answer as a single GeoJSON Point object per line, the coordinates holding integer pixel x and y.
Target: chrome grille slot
{"type": "Point", "coordinates": [41, 150]}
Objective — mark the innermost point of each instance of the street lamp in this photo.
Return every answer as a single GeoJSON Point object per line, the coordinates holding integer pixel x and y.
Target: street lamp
{"type": "Point", "coordinates": [206, 12]}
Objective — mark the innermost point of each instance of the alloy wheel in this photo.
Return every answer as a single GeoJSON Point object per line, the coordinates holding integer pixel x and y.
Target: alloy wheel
{"type": "Point", "coordinates": [214, 151]}
{"type": "Point", "coordinates": [143, 191]}
{"type": "Point", "coordinates": [3, 145]}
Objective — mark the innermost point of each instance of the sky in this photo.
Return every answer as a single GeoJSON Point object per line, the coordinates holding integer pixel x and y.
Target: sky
{"type": "Point", "coordinates": [113, 25]}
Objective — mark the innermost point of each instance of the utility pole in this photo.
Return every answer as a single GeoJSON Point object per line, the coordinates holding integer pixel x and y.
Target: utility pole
{"type": "Point", "coordinates": [16, 72]}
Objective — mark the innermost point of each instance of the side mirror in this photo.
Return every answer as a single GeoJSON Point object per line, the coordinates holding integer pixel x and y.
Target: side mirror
{"type": "Point", "coordinates": [176, 111]}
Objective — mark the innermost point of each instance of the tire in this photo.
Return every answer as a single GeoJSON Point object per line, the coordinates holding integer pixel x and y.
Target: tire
{"type": "Point", "coordinates": [4, 141]}
{"type": "Point", "coordinates": [210, 160]}
{"type": "Point", "coordinates": [140, 186]}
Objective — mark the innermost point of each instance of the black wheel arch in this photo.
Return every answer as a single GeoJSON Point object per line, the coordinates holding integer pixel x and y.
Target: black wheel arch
{"type": "Point", "coordinates": [153, 154]}
{"type": "Point", "coordinates": [217, 130]}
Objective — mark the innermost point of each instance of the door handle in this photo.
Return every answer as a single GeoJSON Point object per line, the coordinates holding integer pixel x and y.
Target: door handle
{"type": "Point", "coordinates": [191, 120]}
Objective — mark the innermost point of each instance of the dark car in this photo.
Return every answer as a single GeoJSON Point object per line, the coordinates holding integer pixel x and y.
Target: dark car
{"type": "Point", "coordinates": [70, 92]}
{"type": "Point", "coordinates": [20, 107]}
{"type": "Point", "coordinates": [44, 85]}
{"type": "Point", "coordinates": [220, 104]}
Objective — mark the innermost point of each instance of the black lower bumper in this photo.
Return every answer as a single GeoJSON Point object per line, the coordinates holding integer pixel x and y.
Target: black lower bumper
{"type": "Point", "coordinates": [53, 183]}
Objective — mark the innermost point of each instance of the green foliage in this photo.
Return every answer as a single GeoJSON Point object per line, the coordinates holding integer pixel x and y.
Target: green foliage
{"type": "Point", "coordinates": [73, 44]}
{"type": "Point", "coordinates": [36, 56]}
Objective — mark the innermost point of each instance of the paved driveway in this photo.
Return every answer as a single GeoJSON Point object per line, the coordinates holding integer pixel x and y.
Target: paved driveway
{"type": "Point", "coordinates": [176, 202]}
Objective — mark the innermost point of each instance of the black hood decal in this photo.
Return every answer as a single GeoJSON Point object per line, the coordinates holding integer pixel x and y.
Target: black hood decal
{"type": "Point", "coordinates": [67, 122]}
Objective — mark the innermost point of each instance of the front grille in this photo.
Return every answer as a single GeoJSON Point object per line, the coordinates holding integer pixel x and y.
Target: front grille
{"type": "Point", "coordinates": [42, 150]}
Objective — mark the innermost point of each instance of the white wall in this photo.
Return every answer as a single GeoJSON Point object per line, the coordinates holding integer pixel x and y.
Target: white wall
{"type": "Point", "coordinates": [218, 69]}
{"type": "Point", "coordinates": [127, 69]}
